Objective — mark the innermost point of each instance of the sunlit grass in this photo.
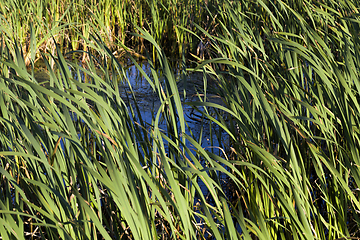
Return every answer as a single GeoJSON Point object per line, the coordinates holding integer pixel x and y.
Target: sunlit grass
{"type": "Point", "coordinates": [70, 24]}
{"type": "Point", "coordinates": [79, 162]}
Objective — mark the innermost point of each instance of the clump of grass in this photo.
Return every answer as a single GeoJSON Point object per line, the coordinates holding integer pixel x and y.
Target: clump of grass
{"type": "Point", "coordinates": [78, 161]}
{"type": "Point", "coordinates": [288, 75]}
{"type": "Point", "coordinates": [69, 23]}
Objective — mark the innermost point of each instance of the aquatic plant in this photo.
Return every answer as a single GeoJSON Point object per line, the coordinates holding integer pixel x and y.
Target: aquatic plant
{"type": "Point", "coordinates": [78, 161]}
{"type": "Point", "coordinates": [69, 24]}
{"type": "Point", "coordinates": [288, 75]}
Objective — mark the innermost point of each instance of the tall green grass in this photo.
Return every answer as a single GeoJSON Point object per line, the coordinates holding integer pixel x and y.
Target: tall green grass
{"type": "Point", "coordinates": [69, 23]}
{"type": "Point", "coordinates": [290, 86]}
{"type": "Point", "coordinates": [79, 162]}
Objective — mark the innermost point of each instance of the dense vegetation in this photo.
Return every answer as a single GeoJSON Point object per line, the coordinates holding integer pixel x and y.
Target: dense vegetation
{"type": "Point", "coordinates": [79, 162]}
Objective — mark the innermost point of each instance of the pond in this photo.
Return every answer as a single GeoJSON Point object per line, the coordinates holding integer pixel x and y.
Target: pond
{"type": "Point", "coordinates": [148, 103]}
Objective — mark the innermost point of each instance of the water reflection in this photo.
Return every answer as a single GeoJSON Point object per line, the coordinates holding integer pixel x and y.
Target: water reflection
{"type": "Point", "coordinates": [148, 103]}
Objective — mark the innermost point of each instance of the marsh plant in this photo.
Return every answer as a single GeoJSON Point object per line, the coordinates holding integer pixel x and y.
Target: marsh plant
{"type": "Point", "coordinates": [78, 161]}
{"type": "Point", "coordinates": [69, 24]}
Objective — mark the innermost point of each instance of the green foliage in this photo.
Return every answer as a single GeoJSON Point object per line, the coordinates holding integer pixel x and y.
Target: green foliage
{"type": "Point", "coordinates": [289, 81]}
{"type": "Point", "coordinates": [79, 162]}
{"type": "Point", "coordinates": [70, 23]}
